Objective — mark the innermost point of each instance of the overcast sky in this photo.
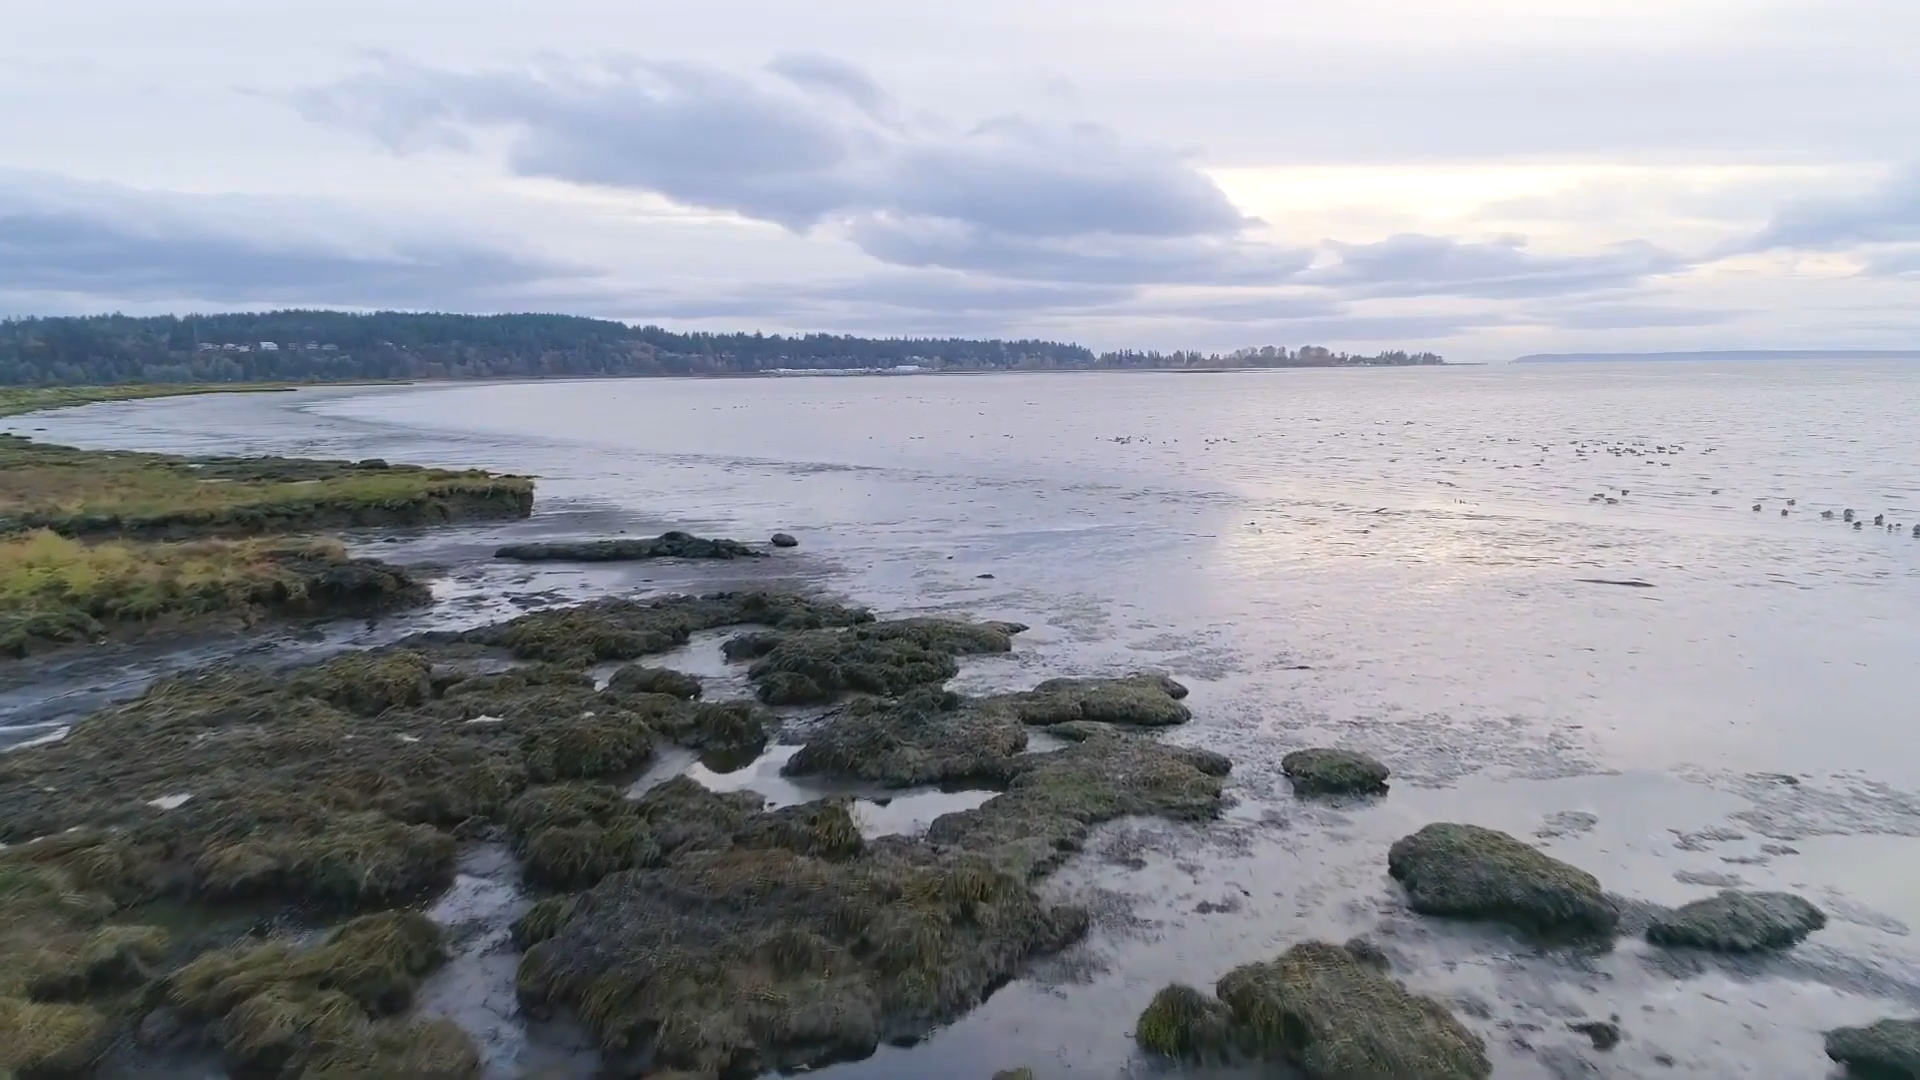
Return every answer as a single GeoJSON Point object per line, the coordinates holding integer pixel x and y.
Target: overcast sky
{"type": "Point", "coordinates": [1484, 177]}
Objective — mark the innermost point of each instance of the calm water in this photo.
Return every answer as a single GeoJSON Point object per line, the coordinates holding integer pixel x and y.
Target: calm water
{"type": "Point", "coordinates": [1391, 560]}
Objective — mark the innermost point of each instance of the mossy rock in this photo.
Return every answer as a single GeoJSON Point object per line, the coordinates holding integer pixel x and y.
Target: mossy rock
{"type": "Point", "coordinates": [352, 860]}
{"type": "Point", "coordinates": [727, 734]}
{"type": "Point", "coordinates": [884, 658]}
{"type": "Point", "coordinates": [1055, 799]}
{"type": "Point", "coordinates": [640, 679]}
{"type": "Point", "coordinates": [368, 683]}
{"type": "Point", "coordinates": [1469, 872]}
{"type": "Point", "coordinates": [38, 1038]}
{"type": "Point", "coordinates": [1132, 701]}
{"type": "Point", "coordinates": [927, 737]}
{"type": "Point", "coordinates": [576, 856]}
{"type": "Point", "coordinates": [1738, 922]}
{"type": "Point", "coordinates": [1334, 772]}
{"type": "Point", "coordinates": [1022, 1073]}
{"type": "Point", "coordinates": [1884, 1050]}
{"type": "Point", "coordinates": [1185, 1024]}
{"type": "Point", "coordinates": [282, 1024]}
{"type": "Point", "coordinates": [671, 545]}
{"type": "Point", "coordinates": [823, 830]}
{"type": "Point", "coordinates": [376, 960]}
{"type": "Point", "coordinates": [1332, 1016]}
{"type": "Point", "coordinates": [586, 747]}
{"type": "Point", "coordinates": [741, 960]}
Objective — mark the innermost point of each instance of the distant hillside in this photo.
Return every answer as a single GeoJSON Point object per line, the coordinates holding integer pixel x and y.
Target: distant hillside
{"type": "Point", "coordinates": [304, 346]}
{"type": "Point", "coordinates": [1735, 354]}
{"type": "Point", "coordinates": [338, 346]}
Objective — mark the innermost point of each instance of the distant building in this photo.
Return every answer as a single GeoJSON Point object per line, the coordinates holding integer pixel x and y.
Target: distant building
{"type": "Point", "coordinates": [206, 346]}
{"type": "Point", "coordinates": [329, 348]}
{"type": "Point", "coordinates": [269, 346]}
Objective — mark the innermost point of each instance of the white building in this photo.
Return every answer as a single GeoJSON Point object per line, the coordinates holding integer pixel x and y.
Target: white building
{"type": "Point", "coordinates": [269, 346]}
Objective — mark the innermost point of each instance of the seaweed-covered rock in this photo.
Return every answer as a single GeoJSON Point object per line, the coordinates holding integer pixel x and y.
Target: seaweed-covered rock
{"type": "Point", "coordinates": [1735, 921]}
{"type": "Point", "coordinates": [742, 960]}
{"type": "Point", "coordinates": [784, 540]}
{"type": "Point", "coordinates": [1884, 1050]}
{"type": "Point", "coordinates": [823, 830]}
{"type": "Point", "coordinates": [1055, 798]}
{"type": "Point", "coordinates": [376, 961]}
{"type": "Point", "coordinates": [671, 545]}
{"type": "Point", "coordinates": [1334, 1017]}
{"type": "Point", "coordinates": [589, 745]}
{"type": "Point", "coordinates": [640, 679]}
{"type": "Point", "coordinates": [1184, 1023]}
{"type": "Point", "coordinates": [923, 738]}
{"type": "Point", "coordinates": [727, 734]}
{"type": "Point", "coordinates": [435, 1048]}
{"type": "Point", "coordinates": [1465, 871]}
{"type": "Point", "coordinates": [622, 629]}
{"type": "Point", "coordinates": [1334, 772]}
{"type": "Point", "coordinates": [543, 920]}
{"type": "Point", "coordinates": [1135, 700]}
{"type": "Point", "coordinates": [108, 958]}
{"type": "Point", "coordinates": [885, 658]}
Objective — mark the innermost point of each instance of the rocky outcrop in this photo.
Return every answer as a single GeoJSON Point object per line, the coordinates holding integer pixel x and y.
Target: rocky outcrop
{"type": "Point", "coordinates": [670, 545]}
{"type": "Point", "coordinates": [1465, 871]}
{"type": "Point", "coordinates": [1322, 1010]}
{"type": "Point", "coordinates": [883, 658]}
{"type": "Point", "coordinates": [1133, 701]}
{"type": "Point", "coordinates": [1738, 922]}
{"type": "Point", "coordinates": [1885, 1050]}
{"type": "Point", "coordinates": [927, 737]}
{"type": "Point", "coordinates": [1334, 772]}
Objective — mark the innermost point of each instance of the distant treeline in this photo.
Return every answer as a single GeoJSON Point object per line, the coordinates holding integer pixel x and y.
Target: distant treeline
{"type": "Point", "coordinates": [332, 346]}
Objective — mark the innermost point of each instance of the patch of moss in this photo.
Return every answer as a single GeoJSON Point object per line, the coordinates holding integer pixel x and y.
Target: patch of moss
{"type": "Point", "coordinates": [94, 493]}
{"type": "Point", "coordinates": [1883, 1050]}
{"type": "Point", "coordinates": [926, 737]}
{"type": "Point", "coordinates": [640, 679]}
{"type": "Point", "coordinates": [1055, 799]}
{"type": "Point", "coordinates": [55, 591]}
{"type": "Point", "coordinates": [1334, 772]}
{"type": "Point", "coordinates": [885, 658]}
{"type": "Point", "coordinates": [1185, 1024]}
{"type": "Point", "coordinates": [1465, 871]}
{"type": "Point", "coordinates": [1133, 701]}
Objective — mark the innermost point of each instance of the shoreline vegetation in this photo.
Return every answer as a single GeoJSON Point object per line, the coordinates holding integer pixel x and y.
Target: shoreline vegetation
{"type": "Point", "coordinates": [98, 544]}
{"type": "Point", "coordinates": [305, 347]}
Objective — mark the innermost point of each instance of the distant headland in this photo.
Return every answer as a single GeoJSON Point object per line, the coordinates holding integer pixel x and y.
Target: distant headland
{"type": "Point", "coordinates": [1725, 355]}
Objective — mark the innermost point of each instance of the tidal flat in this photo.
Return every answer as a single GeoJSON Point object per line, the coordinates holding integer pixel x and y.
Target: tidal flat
{"type": "Point", "coordinates": [1655, 745]}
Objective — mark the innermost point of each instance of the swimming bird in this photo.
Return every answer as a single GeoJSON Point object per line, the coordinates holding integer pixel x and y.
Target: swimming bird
{"type": "Point", "coordinates": [1846, 515]}
{"type": "Point", "coordinates": [1827, 514]}
{"type": "Point", "coordinates": [1756, 508]}
{"type": "Point", "coordinates": [1783, 511]}
{"type": "Point", "coordinates": [1790, 502]}
{"type": "Point", "coordinates": [1857, 524]}
{"type": "Point", "coordinates": [1879, 519]}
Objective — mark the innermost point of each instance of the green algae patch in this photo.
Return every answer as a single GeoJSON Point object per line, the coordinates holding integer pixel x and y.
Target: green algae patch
{"type": "Point", "coordinates": [1145, 701]}
{"type": "Point", "coordinates": [1468, 872]}
{"type": "Point", "coordinates": [1186, 1024]}
{"type": "Point", "coordinates": [1055, 799]}
{"type": "Point", "coordinates": [1884, 1050]}
{"type": "Point", "coordinates": [620, 629]}
{"type": "Point", "coordinates": [55, 591]}
{"type": "Point", "coordinates": [1333, 1016]}
{"type": "Point", "coordinates": [736, 961]}
{"type": "Point", "coordinates": [1334, 772]}
{"type": "Point", "coordinates": [1738, 922]}
{"type": "Point", "coordinates": [884, 658]}
{"type": "Point", "coordinates": [640, 679]}
{"type": "Point", "coordinates": [99, 493]}
{"type": "Point", "coordinates": [279, 1009]}
{"type": "Point", "coordinates": [927, 737]}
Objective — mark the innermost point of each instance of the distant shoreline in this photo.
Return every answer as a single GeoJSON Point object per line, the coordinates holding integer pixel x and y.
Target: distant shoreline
{"type": "Point", "coordinates": [1733, 355]}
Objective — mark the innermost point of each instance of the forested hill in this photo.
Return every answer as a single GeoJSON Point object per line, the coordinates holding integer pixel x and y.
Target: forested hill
{"type": "Point", "coordinates": [300, 346]}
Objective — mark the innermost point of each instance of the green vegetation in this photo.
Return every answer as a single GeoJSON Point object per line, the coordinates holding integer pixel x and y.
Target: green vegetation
{"type": "Point", "coordinates": [15, 400]}
{"type": "Point", "coordinates": [887, 658]}
{"type": "Point", "coordinates": [338, 346]}
{"type": "Point", "coordinates": [1470, 872]}
{"type": "Point", "coordinates": [56, 591]}
{"type": "Point", "coordinates": [87, 493]}
{"type": "Point", "coordinates": [97, 542]}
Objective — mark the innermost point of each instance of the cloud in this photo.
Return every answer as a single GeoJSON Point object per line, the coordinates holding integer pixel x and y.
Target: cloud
{"type": "Point", "coordinates": [1628, 316]}
{"type": "Point", "coordinates": [813, 143]}
{"type": "Point", "coordinates": [1889, 213]}
{"type": "Point", "coordinates": [1412, 264]}
{"type": "Point", "coordinates": [82, 240]}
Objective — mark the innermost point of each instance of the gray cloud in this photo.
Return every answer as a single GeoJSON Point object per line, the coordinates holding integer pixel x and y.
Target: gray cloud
{"type": "Point", "coordinates": [814, 142]}
{"type": "Point", "coordinates": [118, 244]}
{"type": "Point", "coordinates": [1627, 316]}
{"type": "Point", "coordinates": [1888, 213]}
{"type": "Point", "coordinates": [1417, 265]}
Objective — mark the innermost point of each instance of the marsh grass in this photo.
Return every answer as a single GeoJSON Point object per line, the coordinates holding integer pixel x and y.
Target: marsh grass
{"type": "Point", "coordinates": [15, 400]}
{"type": "Point", "coordinates": [104, 493]}
{"type": "Point", "coordinates": [55, 590]}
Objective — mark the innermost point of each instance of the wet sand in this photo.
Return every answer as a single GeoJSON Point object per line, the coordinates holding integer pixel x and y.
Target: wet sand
{"type": "Point", "coordinates": [1743, 721]}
